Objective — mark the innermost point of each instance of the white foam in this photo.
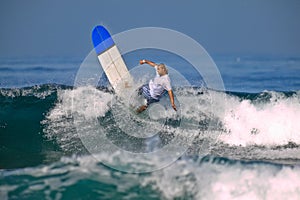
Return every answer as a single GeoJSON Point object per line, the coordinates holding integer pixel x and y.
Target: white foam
{"type": "Point", "coordinates": [86, 103]}
{"type": "Point", "coordinates": [186, 179]}
{"type": "Point", "coordinates": [234, 122]}
{"type": "Point", "coordinates": [272, 123]}
{"type": "Point", "coordinates": [259, 183]}
{"type": "Point", "coordinates": [36, 91]}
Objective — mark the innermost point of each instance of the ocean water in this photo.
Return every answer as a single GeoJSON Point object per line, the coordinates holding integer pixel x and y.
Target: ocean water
{"type": "Point", "coordinates": [243, 143]}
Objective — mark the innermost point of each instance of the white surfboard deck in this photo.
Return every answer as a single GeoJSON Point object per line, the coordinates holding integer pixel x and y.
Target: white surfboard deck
{"type": "Point", "coordinates": [115, 69]}
{"type": "Point", "coordinates": [111, 61]}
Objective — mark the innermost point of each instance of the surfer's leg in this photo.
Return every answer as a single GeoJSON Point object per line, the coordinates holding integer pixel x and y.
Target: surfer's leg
{"type": "Point", "coordinates": [141, 89]}
{"type": "Point", "coordinates": [151, 100]}
{"type": "Point", "coordinates": [141, 108]}
{"type": "Point", "coordinates": [145, 90]}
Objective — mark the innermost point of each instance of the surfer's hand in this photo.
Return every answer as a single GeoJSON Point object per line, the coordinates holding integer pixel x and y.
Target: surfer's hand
{"type": "Point", "coordinates": [174, 107]}
{"type": "Point", "coordinates": [142, 62]}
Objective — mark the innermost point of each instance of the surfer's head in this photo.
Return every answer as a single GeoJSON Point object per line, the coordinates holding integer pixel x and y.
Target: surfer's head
{"type": "Point", "coordinates": [162, 69]}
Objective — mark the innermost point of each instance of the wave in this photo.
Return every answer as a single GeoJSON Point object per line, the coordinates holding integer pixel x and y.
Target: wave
{"type": "Point", "coordinates": [49, 121]}
{"type": "Point", "coordinates": [35, 69]}
{"type": "Point", "coordinates": [268, 118]}
{"type": "Point", "coordinates": [191, 177]}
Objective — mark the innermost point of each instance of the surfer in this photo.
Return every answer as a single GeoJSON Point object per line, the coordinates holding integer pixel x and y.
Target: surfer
{"type": "Point", "coordinates": [156, 87]}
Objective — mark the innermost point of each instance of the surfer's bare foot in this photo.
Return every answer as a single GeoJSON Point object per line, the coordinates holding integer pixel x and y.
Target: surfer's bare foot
{"type": "Point", "coordinates": [141, 109]}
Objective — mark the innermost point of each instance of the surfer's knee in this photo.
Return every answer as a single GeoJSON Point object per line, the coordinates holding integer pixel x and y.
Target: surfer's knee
{"type": "Point", "coordinates": [142, 108]}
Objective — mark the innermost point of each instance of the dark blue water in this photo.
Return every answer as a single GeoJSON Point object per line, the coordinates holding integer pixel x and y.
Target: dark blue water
{"type": "Point", "coordinates": [245, 140]}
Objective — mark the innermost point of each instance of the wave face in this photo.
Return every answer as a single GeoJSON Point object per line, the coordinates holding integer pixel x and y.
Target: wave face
{"type": "Point", "coordinates": [244, 144]}
{"type": "Point", "coordinates": [191, 177]}
{"type": "Point", "coordinates": [257, 126]}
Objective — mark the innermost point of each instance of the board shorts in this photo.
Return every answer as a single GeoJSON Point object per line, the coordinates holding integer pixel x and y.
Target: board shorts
{"type": "Point", "coordinates": [145, 91]}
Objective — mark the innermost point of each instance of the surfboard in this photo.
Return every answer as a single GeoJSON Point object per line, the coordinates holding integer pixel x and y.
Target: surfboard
{"type": "Point", "coordinates": [111, 60]}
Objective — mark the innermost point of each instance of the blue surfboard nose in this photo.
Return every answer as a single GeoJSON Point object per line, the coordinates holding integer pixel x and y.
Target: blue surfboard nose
{"type": "Point", "coordinates": [101, 39]}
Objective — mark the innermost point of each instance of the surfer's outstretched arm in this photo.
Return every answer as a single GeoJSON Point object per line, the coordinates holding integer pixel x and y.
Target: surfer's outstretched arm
{"type": "Point", "coordinates": [170, 92]}
{"type": "Point", "coordinates": [153, 64]}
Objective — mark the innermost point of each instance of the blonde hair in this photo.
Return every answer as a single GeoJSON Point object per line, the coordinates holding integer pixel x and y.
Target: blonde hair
{"type": "Point", "coordinates": [163, 66]}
